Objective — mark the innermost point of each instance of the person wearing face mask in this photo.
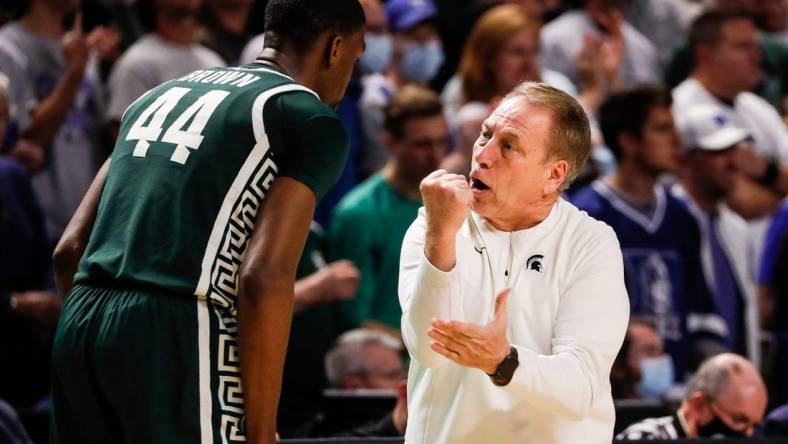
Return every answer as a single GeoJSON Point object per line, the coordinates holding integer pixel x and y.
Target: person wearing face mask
{"type": "Point", "coordinates": [642, 369]}
{"type": "Point", "coordinates": [725, 398]}
{"type": "Point", "coordinates": [416, 57]}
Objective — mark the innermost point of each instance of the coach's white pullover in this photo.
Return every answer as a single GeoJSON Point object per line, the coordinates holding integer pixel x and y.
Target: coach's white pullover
{"type": "Point", "coordinates": [567, 316]}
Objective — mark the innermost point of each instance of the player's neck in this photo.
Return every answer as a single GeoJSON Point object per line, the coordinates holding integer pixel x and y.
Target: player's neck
{"type": "Point", "coordinates": [290, 65]}
{"type": "Point", "coordinates": [42, 20]}
{"type": "Point", "coordinates": [636, 185]}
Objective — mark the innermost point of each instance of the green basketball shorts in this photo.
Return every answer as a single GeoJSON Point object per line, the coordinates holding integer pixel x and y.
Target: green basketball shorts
{"type": "Point", "coordinates": [142, 366]}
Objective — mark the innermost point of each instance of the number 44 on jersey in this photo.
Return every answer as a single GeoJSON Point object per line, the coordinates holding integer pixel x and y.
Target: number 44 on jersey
{"type": "Point", "coordinates": [184, 139]}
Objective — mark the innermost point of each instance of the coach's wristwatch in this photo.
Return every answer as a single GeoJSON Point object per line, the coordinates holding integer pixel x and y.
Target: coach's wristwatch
{"type": "Point", "coordinates": [503, 374]}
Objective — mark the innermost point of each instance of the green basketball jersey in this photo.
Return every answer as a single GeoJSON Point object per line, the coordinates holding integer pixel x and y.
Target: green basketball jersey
{"type": "Point", "coordinates": [193, 161]}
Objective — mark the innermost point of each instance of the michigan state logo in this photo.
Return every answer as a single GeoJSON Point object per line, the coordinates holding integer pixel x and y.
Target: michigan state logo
{"type": "Point", "coordinates": [534, 263]}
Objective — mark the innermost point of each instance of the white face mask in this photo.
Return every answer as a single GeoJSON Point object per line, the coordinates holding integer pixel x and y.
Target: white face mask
{"type": "Point", "coordinates": [422, 61]}
{"type": "Point", "coordinates": [377, 55]}
{"type": "Point", "coordinates": [656, 377]}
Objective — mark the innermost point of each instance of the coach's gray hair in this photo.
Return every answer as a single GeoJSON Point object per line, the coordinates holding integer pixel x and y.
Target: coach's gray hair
{"type": "Point", "coordinates": [570, 133]}
{"type": "Point", "coordinates": [347, 357]}
{"type": "Point", "coordinates": [714, 374]}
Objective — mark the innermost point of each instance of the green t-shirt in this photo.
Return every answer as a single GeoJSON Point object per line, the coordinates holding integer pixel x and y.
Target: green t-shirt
{"type": "Point", "coordinates": [367, 228]}
{"type": "Point", "coordinates": [191, 166]}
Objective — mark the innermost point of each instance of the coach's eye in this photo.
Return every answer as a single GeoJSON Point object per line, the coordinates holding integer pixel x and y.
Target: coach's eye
{"type": "Point", "coordinates": [484, 135]}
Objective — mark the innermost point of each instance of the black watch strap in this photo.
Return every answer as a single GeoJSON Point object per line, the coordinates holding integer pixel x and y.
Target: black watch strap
{"type": "Point", "coordinates": [505, 371]}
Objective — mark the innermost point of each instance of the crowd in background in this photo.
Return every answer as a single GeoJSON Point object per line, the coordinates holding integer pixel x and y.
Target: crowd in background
{"type": "Point", "coordinates": [688, 102]}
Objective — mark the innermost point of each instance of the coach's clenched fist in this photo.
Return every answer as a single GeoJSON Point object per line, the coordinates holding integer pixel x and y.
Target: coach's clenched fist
{"type": "Point", "coordinates": [447, 200]}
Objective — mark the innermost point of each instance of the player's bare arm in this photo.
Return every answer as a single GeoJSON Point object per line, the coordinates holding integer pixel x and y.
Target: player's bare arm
{"type": "Point", "coordinates": [72, 244]}
{"type": "Point", "coordinates": [265, 300]}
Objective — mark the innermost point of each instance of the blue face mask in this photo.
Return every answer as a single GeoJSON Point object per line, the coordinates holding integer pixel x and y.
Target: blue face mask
{"type": "Point", "coordinates": [377, 55]}
{"type": "Point", "coordinates": [656, 377]}
{"type": "Point", "coordinates": [422, 61]}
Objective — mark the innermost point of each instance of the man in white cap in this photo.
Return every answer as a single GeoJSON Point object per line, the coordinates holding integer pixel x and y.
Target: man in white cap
{"type": "Point", "coordinates": [711, 141]}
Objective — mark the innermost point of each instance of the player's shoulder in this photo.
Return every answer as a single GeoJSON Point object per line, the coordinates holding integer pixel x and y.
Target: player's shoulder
{"type": "Point", "coordinates": [297, 104]}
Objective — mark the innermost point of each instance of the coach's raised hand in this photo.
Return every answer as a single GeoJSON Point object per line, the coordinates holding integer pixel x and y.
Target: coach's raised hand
{"type": "Point", "coordinates": [447, 200]}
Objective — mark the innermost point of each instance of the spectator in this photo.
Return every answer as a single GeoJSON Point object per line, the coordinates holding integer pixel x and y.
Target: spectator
{"type": "Point", "coordinates": [417, 57]}
{"type": "Point", "coordinates": [663, 22]}
{"type": "Point", "coordinates": [727, 66]}
{"type": "Point", "coordinates": [707, 175]}
{"type": "Point", "coordinates": [726, 398]}
{"type": "Point", "coordinates": [170, 51]}
{"type": "Point", "coordinates": [595, 29]}
{"type": "Point", "coordinates": [312, 332]}
{"type": "Point", "coordinates": [28, 310]}
{"type": "Point", "coordinates": [501, 52]}
{"type": "Point", "coordinates": [365, 359]}
{"type": "Point", "coordinates": [773, 300]}
{"type": "Point", "coordinates": [56, 94]}
{"type": "Point", "coordinates": [370, 222]}
{"type": "Point", "coordinates": [368, 359]}
{"type": "Point", "coordinates": [641, 369]}
{"type": "Point", "coordinates": [224, 29]}
{"type": "Point", "coordinates": [659, 238]}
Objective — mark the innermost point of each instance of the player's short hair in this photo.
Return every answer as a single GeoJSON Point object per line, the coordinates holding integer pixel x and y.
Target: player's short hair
{"type": "Point", "coordinates": [410, 102]}
{"type": "Point", "coordinates": [706, 29]}
{"type": "Point", "coordinates": [626, 112]}
{"type": "Point", "coordinates": [347, 357]}
{"type": "Point", "coordinates": [570, 134]}
{"type": "Point", "coordinates": [300, 22]}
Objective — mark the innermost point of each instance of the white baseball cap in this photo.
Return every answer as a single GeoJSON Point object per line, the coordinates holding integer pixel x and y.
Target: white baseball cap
{"type": "Point", "coordinates": [709, 127]}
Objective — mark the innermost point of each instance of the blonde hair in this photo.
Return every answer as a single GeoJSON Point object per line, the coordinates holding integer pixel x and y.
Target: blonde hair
{"type": "Point", "coordinates": [487, 37]}
{"type": "Point", "coordinates": [570, 133]}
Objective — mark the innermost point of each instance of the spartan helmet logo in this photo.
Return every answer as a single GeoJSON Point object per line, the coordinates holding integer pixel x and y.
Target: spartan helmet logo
{"type": "Point", "coordinates": [534, 263]}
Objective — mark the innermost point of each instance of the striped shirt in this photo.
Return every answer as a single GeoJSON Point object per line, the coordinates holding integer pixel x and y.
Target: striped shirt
{"type": "Point", "coordinates": [667, 427]}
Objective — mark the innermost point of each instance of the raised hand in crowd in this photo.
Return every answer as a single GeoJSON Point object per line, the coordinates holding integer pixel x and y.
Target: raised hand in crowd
{"type": "Point", "coordinates": [30, 154]}
{"type": "Point", "coordinates": [41, 306]}
{"type": "Point", "coordinates": [105, 41]}
{"type": "Point", "coordinates": [75, 46]}
{"type": "Point", "coordinates": [337, 281]}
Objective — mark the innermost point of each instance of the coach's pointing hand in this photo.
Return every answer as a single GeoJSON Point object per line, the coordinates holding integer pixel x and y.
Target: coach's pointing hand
{"type": "Point", "coordinates": [447, 200]}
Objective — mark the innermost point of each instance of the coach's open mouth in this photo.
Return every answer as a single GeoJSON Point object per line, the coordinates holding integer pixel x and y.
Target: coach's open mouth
{"type": "Point", "coordinates": [477, 184]}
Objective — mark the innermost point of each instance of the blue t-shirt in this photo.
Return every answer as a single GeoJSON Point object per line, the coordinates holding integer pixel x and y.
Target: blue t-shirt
{"type": "Point", "coordinates": [664, 278]}
{"type": "Point", "coordinates": [775, 237]}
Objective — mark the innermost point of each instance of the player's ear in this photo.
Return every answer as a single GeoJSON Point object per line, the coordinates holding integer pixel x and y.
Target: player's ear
{"type": "Point", "coordinates": [334, 49]}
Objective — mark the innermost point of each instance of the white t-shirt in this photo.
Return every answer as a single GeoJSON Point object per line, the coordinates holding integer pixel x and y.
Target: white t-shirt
{"type": "Point", "coordinates": [749, 111]}
{"type": "Point", "coordinates": [252, 49]}
{"type": "Point", "coordinates": [562, 40]}
{"type": "Point", "coordinates": [150, 62]}
{"type": "Point", "coordinates": [567, 316]}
